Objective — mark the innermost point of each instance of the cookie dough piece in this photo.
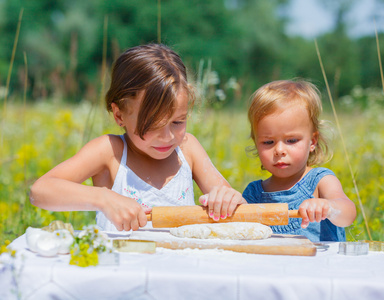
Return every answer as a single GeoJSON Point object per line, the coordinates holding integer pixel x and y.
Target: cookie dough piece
{"type": "Point", "coordinates": [225, 231]}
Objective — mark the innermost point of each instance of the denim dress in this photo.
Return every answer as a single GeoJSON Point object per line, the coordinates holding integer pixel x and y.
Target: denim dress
{"type": "Point", "coordinates": [304, 189]}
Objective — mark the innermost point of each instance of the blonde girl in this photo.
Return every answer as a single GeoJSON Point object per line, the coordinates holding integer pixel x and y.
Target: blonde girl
{"type": "Point", "coordinates": [153, 163]}
{"type": "Point", "coordinates": [289, 141]}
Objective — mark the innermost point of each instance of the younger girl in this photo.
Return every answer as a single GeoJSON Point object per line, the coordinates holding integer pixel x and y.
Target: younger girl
{"type": "Point", "coordinates": [289, 140]}
{"type": "Point", "coordinates": [153, 163]}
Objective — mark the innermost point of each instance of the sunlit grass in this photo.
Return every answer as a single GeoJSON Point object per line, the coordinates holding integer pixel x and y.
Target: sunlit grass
{"type": "Point", "coordinates": [55, 131]}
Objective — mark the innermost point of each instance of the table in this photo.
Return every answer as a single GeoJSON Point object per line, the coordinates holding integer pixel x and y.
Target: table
{"type": "Point", "coordinates": [195, 274]}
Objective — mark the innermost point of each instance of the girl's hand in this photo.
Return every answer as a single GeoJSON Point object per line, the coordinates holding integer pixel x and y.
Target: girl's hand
{"type": "Point", "coordinates": [221, 202]}
{"type": "Point", "coordinates": [314, 210]}
{"type": "Point", "coordinates": [124, 213]}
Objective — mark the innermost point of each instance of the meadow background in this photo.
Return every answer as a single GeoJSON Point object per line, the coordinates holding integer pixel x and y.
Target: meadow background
{"type": "Point", "coordinates": [55, 58]}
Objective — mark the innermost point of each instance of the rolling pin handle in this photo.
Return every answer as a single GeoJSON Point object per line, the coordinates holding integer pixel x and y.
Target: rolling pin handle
{"type": "Point", "coordinates": [294, 214]}
{"type": "Point", "coordinates": [149, 217]}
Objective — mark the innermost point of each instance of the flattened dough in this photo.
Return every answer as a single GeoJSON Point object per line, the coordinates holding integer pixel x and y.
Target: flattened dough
{"type": "Point", "coordinates": [224, 231]}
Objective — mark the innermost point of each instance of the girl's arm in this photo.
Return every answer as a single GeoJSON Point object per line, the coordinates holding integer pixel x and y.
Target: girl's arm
{"type": "Point", "coordinates": [332, 204]}
{"type": "Point", "coordinates": [219, 196]}
{"type": "Point", "coordinates": [61, 190]}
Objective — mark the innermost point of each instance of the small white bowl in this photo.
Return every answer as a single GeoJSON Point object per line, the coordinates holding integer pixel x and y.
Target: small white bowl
{"type": "Point", "coordinates": [32, 235]}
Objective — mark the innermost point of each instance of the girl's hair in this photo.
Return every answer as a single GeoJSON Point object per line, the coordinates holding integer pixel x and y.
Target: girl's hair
{"type": "Point", "coordinates": [281, 94]}
{"type": "Point", "coordinates": [156, 70]}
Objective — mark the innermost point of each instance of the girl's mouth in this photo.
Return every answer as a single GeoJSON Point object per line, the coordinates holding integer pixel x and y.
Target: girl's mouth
{"type": "Point", "coordinates": [163, 149]}
{"type": "Point", "coordinates": [281, 165]}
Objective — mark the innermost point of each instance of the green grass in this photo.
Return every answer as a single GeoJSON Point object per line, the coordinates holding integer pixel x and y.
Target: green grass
{"type": "Point", "coordinates": [34, 138]}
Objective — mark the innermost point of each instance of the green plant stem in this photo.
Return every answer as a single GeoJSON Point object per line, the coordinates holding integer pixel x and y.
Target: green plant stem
{"type": "Point", "coordinates": [12, 58]}
{"type": "Point", "coordinates": [379, 56]}
{"type": "Point", "coordinates": [104, 61]}
{"type": "Point", "coordinates": [9, 74]}
{"type": "Point", "coordinates": [342, 141]}
{"type": "Point", "coordinates": [24, 116]}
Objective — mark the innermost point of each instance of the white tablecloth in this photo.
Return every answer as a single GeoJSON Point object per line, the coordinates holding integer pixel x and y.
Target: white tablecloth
{"type": "Point", "coordinates": [195, 274]}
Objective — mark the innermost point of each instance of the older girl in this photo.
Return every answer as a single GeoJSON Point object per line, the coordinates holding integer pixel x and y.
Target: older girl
{"type": "Point", "coordinates": [153, 163]}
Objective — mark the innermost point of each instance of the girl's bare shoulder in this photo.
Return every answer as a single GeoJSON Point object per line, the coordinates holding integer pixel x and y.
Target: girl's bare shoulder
{"type": "Point", "coordinates": [192, 149]}
{"type": "Point", "coordinates": [106, 147]}
{"type": "Point", "coordinates": [189, 143]}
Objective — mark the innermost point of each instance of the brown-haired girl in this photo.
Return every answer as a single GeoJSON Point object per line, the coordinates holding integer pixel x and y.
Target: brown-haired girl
{"type": "Point", "coordinates": [153, 163]}
{"type": "Point", "coordinates": [289, 141]}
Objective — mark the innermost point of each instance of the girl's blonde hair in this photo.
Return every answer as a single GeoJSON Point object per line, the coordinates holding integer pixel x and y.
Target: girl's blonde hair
{"type": "Point", "coordinates": [281, 94]}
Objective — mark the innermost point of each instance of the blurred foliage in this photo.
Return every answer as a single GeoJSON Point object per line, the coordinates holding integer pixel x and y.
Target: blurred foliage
{"type": "Point", "coordinates": [244, 41]}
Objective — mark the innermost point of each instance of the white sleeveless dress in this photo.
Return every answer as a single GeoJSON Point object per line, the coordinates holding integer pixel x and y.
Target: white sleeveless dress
{"type": "Point", "coordinates": [178, 191]}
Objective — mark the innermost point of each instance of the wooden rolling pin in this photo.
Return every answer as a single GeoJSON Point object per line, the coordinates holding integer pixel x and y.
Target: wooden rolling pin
{"type": "Point", "coordinates": [175, 216]}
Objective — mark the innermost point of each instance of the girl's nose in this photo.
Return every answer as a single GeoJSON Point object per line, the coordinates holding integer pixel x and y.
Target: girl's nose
{"type": "Point", "coordinates": [166, 133]}
{"type": "Point", "coordinates": [280, 149]}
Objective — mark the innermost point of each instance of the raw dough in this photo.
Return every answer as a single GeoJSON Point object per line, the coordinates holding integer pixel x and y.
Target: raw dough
{"type": "Point", "coordinates": [225, 231]}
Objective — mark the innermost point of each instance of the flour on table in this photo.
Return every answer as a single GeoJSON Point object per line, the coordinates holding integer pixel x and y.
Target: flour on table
{"type": "Point", "coordinates": [225, 231]}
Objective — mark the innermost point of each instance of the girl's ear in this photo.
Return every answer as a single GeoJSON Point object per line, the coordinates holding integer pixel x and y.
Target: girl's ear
{"type": "Point", "coordinates": [117, 114]}
{"type": "Point", "coordinates": [314, 140]}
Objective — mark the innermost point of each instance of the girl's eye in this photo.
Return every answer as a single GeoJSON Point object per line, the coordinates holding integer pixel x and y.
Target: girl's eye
{"type": "Point", "coordinates": [179, 122]}
{"type": "Point", "coordinates": [268, 142]}
{"type": "Point", "coordinates": [292, 141]}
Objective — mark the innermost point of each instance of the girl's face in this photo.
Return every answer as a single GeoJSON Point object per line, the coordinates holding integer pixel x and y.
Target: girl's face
{"type": "Point", "coordinates": [158, 143]}
{"type": "Point", "coordinates": [284, 140]}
